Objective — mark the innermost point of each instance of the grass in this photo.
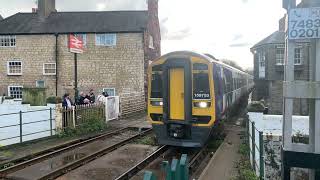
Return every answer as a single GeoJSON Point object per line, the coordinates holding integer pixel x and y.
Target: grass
{"type": "Point", "coordinates": [147, 140]}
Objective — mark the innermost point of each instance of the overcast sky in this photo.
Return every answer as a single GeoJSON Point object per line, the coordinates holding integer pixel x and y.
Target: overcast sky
{"type": "Point", "coordinates": [224, 28]}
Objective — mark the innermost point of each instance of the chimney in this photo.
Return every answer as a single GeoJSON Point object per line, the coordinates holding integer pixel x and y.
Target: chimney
{"type": "Point", "coordinates": [282, 24]}
{"type": "Point", "coordinates": [45, 7]}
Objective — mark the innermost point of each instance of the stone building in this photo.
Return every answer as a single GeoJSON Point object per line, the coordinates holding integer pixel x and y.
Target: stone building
{"type": "Point", "coordinates": [118, 46]}
{"type": "Point", "coordinates": [269, 55]}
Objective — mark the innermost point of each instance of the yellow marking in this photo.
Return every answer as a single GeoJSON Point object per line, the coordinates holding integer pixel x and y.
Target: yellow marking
{"type": "Point", "coordinates": [177, 94]}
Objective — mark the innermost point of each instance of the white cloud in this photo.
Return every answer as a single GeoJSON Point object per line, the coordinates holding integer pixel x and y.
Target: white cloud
{"type": "Point", "coordinates": [225, 29]}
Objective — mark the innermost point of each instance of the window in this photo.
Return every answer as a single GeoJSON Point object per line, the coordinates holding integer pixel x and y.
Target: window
{"type": "Point", "coordinates": [279, 55]}
{"type": "Point", "coordinates": [110, 91]}
{"type": "Point", "coordinates": [83, 37]}
{"type": "Point", "coordinates": [156, 82]}
{"type": "Point", "coordinates": [297, 56]}
{"type": "Point", "coordinates": [201, 88]}
{"type": "Point", "coordinates": [262, 59]}
{"type": "Point", "coordinates": [151, 42]}
{"type": "Point", "coordinates": [106, 39]}
{"type": "Point", "coordinates": [7, 41]}
{"type": "Point", "coordinates": [49, 69]}
{"type": "Point", "coordinates": [14, 67]}
{"type": "Point", "coordinates": [15, 92]}
{"type": "Point", "coordinates": [40, 84]}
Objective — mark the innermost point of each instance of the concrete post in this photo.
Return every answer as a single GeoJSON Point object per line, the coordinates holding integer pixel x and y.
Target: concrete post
{"type": "Point", "coordinates": [58, 118]}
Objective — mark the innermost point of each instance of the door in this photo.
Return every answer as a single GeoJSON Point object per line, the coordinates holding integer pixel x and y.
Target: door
{"type": "Point", "coordinates": [177, 93]}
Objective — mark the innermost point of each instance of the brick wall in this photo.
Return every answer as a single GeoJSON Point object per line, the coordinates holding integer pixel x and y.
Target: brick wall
{"type": "Point", "coordinates": [120, 67]}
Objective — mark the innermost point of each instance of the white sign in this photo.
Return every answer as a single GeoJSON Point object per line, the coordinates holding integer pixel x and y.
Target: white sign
{"type": "Point", "coordinates": [304, 23]}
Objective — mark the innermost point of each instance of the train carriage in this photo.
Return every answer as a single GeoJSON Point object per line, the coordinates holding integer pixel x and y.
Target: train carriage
{"type": "Point", "coordinates": [189, 93]}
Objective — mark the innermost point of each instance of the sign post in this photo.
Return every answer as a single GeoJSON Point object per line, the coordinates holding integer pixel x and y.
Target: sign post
{"type": "Point", "coordinates": [76, 47]}
{"type": "Point", "coordinates": [303, 26]}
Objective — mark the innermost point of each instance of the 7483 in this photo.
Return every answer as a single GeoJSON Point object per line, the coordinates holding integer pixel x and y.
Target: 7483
{"type": "Point", "coordinates": [305, 28]}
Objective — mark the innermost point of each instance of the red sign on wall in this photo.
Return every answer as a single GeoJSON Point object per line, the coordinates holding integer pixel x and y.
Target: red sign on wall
{"type": "Point", "coordinates": [75, 44]}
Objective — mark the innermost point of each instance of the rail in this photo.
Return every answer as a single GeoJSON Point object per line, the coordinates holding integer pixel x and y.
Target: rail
{"type": "Point", "coordinates": [45, 125]}
{"type": "Point", "coordinates": [46, 154]}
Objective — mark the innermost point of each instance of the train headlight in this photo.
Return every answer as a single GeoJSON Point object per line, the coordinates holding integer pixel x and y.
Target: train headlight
{"type": "Point", "coordinates": [156, 103]}
{"type": "Point", "coordinates": [202, 104]}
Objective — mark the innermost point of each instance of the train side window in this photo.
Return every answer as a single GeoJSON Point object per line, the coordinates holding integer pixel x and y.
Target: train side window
{"type": "Point", "coordinates": [156, 82]}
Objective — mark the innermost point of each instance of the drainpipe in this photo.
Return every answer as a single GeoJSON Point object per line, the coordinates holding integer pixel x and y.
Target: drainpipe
{"type": "Point", "coordinates": [56, 58]}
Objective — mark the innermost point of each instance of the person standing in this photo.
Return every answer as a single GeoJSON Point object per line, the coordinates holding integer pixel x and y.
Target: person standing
{"type": "Point", "coordinates": [66, 104]}
{"type": "Point", "coordinates": [92, 97]}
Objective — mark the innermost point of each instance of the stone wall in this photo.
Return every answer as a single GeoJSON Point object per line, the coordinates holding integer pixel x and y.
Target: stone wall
{"type": "Point", "coordinates": [120, 67]}
{"type": "Point", "coordinates": [33, 51]}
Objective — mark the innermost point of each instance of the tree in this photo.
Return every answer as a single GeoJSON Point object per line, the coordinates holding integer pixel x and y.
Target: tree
{"type": "Point", "coordinates": [232, 63]}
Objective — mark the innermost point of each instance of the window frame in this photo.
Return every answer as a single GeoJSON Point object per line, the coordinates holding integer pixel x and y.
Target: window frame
{"type": "Point", "coordinates": [98, 41]}
{"type": "Point", "coordinates": [44, 84]}
{"type": "Point", "coordinates": [301, 55]}
{"type": "Point", "coordinates": [280, 60]}
{"type": "Point", "coordinates": [151, 42]}
{"type": "Point", "coordinates": [8, 68]}
{"type": "Point", "coordinates": [113, 89]}
{"type": "Point", "coordinates": [48, 74]}
{"type": "Point", "coordinates": [10, 37]}
{"type": "Point", "coordinates": [9, 92]}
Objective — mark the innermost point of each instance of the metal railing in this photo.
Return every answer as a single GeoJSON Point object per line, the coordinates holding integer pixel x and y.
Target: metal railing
{"type": "Point", "coordinates": [27, 124]}
{"type": "Point", "coordinates": [256, 144]}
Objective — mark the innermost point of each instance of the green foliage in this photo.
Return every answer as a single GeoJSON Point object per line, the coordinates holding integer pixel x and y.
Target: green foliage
{"type": "Point", "coordinates": [244, 149]}
{"type": "Point", "coordinates": [54, 100]}
{"type": "Point", "coordinates": [256, 106]}
{"type": "Point", "coordinates": [300, 138]}
{"type": "Point", "coordinates": [147, 140]}
{"type": "Point", "coordinates": [92, 125]}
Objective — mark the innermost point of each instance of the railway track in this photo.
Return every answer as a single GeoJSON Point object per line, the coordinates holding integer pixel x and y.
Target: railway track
{"type": "Point", "coordinates": [196, 156]}
{"type": "Point", "coordinates": [62, 159]}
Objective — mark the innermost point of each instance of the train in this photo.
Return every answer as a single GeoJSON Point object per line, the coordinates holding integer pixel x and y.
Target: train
{"type": "Point", "coordinates": [189, 93]}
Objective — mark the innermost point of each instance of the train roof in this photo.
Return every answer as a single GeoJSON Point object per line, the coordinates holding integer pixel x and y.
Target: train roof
{"type": "Point", "coordinates": [191, 53]}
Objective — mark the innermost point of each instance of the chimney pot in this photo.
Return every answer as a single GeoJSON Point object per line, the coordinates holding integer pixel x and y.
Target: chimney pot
{"type": "Point", "coordinates": [46, 7]}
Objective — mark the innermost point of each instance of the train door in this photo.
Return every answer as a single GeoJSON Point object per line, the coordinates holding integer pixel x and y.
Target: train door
{"type": "Point", "coordinates": [176, 97]}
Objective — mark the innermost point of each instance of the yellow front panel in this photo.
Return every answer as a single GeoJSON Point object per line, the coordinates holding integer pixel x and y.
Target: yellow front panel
{"type": "Point", "coordinates": [177, 94]}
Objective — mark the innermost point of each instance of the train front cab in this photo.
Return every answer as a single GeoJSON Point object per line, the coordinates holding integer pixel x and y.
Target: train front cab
{"type": "Point", "coordinates": [181, 105]}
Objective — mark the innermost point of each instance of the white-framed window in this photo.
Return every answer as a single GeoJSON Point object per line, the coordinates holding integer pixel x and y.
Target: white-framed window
{"type": "Point", "coordinates": [279, 54]}
{"type": "Point", "coordinates": [14, 67]}
{"type": "Point", "coordinates": [15, 92]}
{"type": "Point", "coordinates": [298, 56]}
{"type": "Point", "coordinates": [83, 37]}
{"type": "Point", "coordinates": [151, 46]}
{"type": "Point", "coordinates": [49, 69]}
{"type": "Point", "coordinates": [40, 84]}
{"type": "Point", "coordinates": [106, 39]}
{"type": "Point", "coordinates": [262, 59]}
{"type": "Point", "coordinates": [7, 41]}
{"type": "Point", "coordinates": [110, 91]}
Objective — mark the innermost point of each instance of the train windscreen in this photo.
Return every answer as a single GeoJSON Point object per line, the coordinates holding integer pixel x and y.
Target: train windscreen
{"type": "Point", "coordinates": [201, 88]}
{"type": "Point", "coordinates": [156, 82]}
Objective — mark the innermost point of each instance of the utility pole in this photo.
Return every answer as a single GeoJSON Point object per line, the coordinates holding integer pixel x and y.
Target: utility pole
{"type": "Point", "coordinates": [302, 25]}
{"type": "Point", "coordinates": [76, 93]}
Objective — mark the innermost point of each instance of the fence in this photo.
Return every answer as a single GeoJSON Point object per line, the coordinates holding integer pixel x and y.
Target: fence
{"type": "Point", "coordinates": [256, 144]}
{"type": "Point", "coordinates": [81, 114]}
{"type": "Point", "coordinates": [25, 126]}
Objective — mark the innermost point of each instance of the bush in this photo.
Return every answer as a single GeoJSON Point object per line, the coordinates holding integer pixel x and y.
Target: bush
{"type": "Point", "coordinates": [256, 106]}
{"type": "Point", "coordinates": [54, 100]}
{"type": "Point", "coordinates": [92, 125]}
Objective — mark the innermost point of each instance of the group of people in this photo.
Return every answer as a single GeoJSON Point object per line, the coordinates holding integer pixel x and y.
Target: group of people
{"type": "Point", "coordinates": [83, 99]}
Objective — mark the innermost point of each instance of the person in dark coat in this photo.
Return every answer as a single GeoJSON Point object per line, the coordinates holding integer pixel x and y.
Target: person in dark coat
{"type": "Point", "coordinates": [92, 97]}
{"type": "Point", "coordinates": [66, 103]}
